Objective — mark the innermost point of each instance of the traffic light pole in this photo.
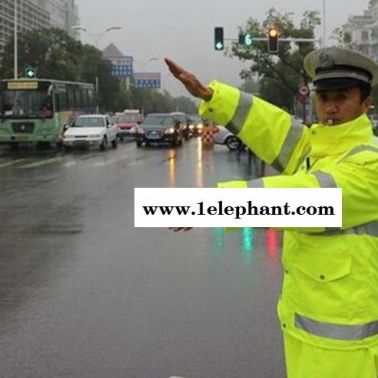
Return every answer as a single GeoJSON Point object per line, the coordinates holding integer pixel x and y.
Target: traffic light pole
{"type": "Point", "coordinates": [246, 40]}
{"type": "Point", "coordinates": [281, 39]}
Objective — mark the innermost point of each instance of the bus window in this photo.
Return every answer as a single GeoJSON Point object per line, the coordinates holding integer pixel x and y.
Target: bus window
{"type": "Point", "coordinates": [70, 97]}
{"type": "Point", "coordinates": [78, 101]}
{"type": "Point", "coordinates": [47, 107]}
{"type": "Point", "coordinates": [57, 103]}
{"type": "Point", "coordinates": [85, 98]}
{"type": "Point", "coordinates": [91, 98]}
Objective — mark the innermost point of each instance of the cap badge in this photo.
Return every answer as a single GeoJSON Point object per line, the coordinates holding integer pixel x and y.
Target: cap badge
{"type": "Point", "coordinates": [326, 61]}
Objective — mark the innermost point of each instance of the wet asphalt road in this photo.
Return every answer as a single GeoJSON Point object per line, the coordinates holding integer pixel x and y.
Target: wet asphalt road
{"type": "Point", "coordinates": [84, 294]}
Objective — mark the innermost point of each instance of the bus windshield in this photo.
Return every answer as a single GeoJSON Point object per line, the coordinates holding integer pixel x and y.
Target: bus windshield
{"type": "Point", "coordinates": [26, 104]}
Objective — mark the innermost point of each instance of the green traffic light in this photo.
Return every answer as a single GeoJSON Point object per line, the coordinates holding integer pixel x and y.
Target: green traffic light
{"type": "Point", "coordinates": [31, 73]}
{"type": "Point", "coordinates": [245, 39]}
{"type": "Point", "coordinates": [218, 38]}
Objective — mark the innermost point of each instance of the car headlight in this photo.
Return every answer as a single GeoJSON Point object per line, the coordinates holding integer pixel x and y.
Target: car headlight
{"type": "Point", "coordinates": [171, 130]}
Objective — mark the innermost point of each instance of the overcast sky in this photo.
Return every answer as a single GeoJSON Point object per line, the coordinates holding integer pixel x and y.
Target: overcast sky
{"type": "Point", "coordinates": [183, 30]}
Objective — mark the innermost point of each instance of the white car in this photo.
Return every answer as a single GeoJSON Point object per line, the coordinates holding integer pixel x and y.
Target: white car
{"type": "Point", "coordinates": [91, 130]}
{"type": "Point", "coordinates": [222, 136]}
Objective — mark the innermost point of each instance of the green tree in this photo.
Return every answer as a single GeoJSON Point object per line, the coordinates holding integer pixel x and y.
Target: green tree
{"type": "Point", "coordinates": [343, 38]}
{"type": "Point", "coordinates": [154, 101]}
{"type": "Point", "coordinates": [52, 51]}
{"type": "Point", "coordinates": [93, 64]}
{"type": "Point", "coordinates": [281, 74]}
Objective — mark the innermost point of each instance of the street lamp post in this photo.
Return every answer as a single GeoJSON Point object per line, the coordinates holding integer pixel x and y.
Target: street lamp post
{"type": "Point", "coordinates": [96, 39]}
{"type": "Point", "coordinates": [324, 43]}
{"type": "Point", "coordinates": [15, 40]}
{"type": "Point", "coordinates": [148, 61]}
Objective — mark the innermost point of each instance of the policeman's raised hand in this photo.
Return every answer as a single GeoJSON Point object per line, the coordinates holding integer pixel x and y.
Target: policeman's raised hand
{"type": "Point", "coordinates": [192, 84]}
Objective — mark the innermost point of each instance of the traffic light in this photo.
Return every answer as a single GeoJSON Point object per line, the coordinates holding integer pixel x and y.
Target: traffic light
{"type": "Point", "coordinates": [273, 40]}
{"type": "Point", "coordinates": [31, 72]}
{"type": "Point", "coordinates": [218, 38]}
{"type": "Point", "coordinates": [245, 39]}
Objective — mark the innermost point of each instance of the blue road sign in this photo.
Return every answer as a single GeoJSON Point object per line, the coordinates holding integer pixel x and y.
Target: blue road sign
{"type": "Point", "coordinates": [147, 80]}
{"type": "Point", "coordinates": [122, 70]}
{"type": "Point", "coordinates": [122, 66]}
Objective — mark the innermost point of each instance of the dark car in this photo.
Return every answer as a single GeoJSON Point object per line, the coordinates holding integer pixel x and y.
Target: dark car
{"type": "Point", "coordinates": [159, 128]}
{"type": "Point", "coordinates": [185, 124]}
{"type": "Point", "coordinates": [196, 125]}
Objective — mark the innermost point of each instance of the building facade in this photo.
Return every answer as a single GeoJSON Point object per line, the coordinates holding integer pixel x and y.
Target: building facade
{"type": "Point", "coordinates": [36, 14]}
{"type": "Point", "coordinates": [363, 30]}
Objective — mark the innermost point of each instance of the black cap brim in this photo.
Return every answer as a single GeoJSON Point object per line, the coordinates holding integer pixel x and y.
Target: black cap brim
{"type": "Point", "coordinates": [337, 83]}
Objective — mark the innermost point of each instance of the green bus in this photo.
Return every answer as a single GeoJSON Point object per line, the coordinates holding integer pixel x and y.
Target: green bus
{"type": "Point", "coordinates": [37, 110]}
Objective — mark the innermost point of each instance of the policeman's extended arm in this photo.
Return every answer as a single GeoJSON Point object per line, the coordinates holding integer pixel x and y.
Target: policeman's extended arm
{"type": "Point", "coordinates": [192, 84]}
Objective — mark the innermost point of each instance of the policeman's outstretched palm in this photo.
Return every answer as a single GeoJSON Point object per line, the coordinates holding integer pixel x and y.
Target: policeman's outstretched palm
{"type": "Point", "coordinates": [192, 84]}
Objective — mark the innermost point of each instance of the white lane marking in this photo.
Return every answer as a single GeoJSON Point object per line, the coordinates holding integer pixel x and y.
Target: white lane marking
{"type": "Point", "coordinates": [135, 162]}
{"type": "Point", "coordinates": [12, 162]}
{"type": "Point", "coordinates": [69, 164]}
{"type": "Point", "coordinates": [113, 160]}
{"type": "Point", "coordinates": [41, 163]}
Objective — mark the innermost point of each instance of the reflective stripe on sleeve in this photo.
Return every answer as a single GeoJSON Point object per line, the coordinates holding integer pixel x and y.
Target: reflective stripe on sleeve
{"type": "Point", "coordinates": [241, 113]}
{"type": "Point", "coordinates": [258, 183]}
{"type": "Point", "coordinates": [291, 140]}
{"type": "Point", "coordinates": [336, 331]}
{"type": "Point", "coordinates": [358, 149]}
{"type": "Point", "coordinates": [325, 180]}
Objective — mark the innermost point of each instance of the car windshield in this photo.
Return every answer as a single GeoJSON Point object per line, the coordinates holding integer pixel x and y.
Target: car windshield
{"type": "Point", "coordinates": [195, 119]}
{"type": "Point", "coordinates": [89, 122]}
{"type": "Point", "coordinates": [158, 120]}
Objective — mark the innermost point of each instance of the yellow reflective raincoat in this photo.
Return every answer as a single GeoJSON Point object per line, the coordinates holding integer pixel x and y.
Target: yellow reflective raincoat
{"type": "Point", "coordinates": [329, 296]}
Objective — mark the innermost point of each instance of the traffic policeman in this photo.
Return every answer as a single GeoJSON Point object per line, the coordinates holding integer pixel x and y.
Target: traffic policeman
{"type": "Point", "coordinates": [328, 306]}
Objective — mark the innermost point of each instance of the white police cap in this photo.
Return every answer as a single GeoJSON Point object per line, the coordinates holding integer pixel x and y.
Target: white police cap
{"type": "Point", "coordinates": [335, 67]}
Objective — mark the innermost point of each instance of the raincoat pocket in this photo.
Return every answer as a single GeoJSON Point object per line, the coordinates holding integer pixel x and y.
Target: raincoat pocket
{"type": "Point", "coordinates": [323, 282]}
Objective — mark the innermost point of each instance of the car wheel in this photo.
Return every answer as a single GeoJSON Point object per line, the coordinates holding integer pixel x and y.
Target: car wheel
{"type": "Point", "coordinates": [233, 143]}
{"type": "Point", "coordinates": [114, 143]}
{"type": "Point", "coordinates": [104, 144]}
